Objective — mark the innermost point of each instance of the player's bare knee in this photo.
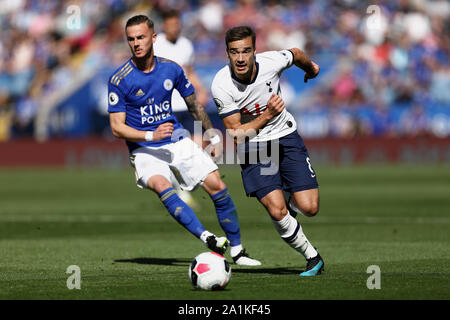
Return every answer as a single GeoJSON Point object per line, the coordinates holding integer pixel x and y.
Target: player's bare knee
{"type": "Point", "coordinates": [158, 184]}
{"type": "Point", "coordinates": [310, 209]}
{"type": "Point", "coordinates": [213, 183]}
{"type": "Point", "coordinates": [308, 205]}
{"type": "Point", "coordinates": [277, 211]}
{"type": "Point", "coordinates": [221, 185]}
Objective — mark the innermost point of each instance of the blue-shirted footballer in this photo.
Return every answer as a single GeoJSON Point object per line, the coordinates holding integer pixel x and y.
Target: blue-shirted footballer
{"type": "Point", "coordinates": [145, 97]}
{"type": "Point", "coordinates": [140, 113]}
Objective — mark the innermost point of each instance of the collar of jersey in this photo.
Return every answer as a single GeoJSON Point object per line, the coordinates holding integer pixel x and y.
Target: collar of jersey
{"type": "Point", "coordinates": [142, 72]}
{"type": "Point", "coordinates": [246, 83]}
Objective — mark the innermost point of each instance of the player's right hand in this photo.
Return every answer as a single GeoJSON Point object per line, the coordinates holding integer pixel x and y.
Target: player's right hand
{"type": "Point", "coordinates": [275, 106]}
{"type": "Point", "coordinates": [163, 131]}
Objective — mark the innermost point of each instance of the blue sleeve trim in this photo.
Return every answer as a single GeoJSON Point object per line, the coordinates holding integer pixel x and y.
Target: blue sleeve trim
{"type": "Point", "coordinates": [224, 115]}
{"type": "Point", "coordinates": [117, 109]}
{"type": "Point", "coordinates": [187, 92]}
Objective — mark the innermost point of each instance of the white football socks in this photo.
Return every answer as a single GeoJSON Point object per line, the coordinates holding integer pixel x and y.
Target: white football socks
{"type": "Point", "coordinates": [234, 251]}
{"type": "Point", "coordinates": [291, 232]}
{"type": "Point", "coordinates": [205, 234]}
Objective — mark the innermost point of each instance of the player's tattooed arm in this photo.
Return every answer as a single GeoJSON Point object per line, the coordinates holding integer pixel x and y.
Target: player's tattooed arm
{"type": "Point", "coordinates": [199, 114]}
{"type": "Point", "coordinates": [197, 111]}
{"type": "Point", "coordinates": [302, 61]}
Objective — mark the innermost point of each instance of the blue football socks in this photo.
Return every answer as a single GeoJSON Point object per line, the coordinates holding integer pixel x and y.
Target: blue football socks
{"type": "Point", "coordinates": [181, 212]}
{"type": "Point", "coordinates": [227, 215]}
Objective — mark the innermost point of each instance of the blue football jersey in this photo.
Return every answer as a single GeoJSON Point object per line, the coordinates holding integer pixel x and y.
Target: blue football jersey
{"type": "Point", "coordinates": [146, 97]}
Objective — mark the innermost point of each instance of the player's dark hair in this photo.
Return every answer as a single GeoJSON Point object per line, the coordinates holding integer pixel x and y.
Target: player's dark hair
{"type": "Point", "coordinates": [239, 33]}
{"type": "Point", "coordinates": [138, 20]}
{"type": "Point", "coordinates": [170, 13]}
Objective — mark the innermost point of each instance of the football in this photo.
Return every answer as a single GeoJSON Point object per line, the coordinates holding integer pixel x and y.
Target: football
{"type": "Point", "coordinates": [209, 271]}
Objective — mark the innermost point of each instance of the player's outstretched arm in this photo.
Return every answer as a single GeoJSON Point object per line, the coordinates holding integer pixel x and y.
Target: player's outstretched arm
{"type": "Point", "coordinates": [123, 131]}
{"type": "Point", "coordinates": [302, 61]}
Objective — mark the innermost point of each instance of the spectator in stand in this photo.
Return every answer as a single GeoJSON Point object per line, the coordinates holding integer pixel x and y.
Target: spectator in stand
{"type": "Point", "coordinates": [398, 55]}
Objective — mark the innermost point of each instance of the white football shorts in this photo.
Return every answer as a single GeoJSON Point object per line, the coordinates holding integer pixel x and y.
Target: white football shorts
{"type": "Point", "coordinates": [185, 160]}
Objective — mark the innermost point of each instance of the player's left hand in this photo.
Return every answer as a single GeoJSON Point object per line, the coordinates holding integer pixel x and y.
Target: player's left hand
{"type": "Point", "coordinates": [316, 70]}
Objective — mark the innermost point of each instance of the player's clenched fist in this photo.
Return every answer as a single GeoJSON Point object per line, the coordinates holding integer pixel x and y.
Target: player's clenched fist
{"type": "Point", "coordinates": [163, 131]}
{"type": "Point", "coordinates": [274, 106]}
{"type": "Point", "coordinates": [313, 72]}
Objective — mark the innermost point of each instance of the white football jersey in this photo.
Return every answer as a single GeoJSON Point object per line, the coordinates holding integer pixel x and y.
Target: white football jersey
{"type": "Point", "coordinates": [182, 52]}
{"type": "Point", "coordinates": [232, 96]}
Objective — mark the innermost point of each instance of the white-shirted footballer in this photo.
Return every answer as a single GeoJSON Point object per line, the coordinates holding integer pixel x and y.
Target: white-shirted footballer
{"type": "Point", "coordinates": [231, 95]}
{"type": "Point", "coordinates": [248, 98]}
{"type": "Point", "coordinates": [181, 52]}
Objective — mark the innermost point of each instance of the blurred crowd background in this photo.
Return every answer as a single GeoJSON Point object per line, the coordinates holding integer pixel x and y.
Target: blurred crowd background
{"type": "Point", "coordinates": [384, 64]}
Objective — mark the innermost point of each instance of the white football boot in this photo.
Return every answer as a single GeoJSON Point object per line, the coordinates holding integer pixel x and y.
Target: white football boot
{"type": "Point", "coordinates": [217, 244]}
{"type": "Point", "coordinates": [243, 259]}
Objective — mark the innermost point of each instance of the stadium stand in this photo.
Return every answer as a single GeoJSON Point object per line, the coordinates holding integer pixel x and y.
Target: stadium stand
{"type": "Point", "coordinates": [384, 68]}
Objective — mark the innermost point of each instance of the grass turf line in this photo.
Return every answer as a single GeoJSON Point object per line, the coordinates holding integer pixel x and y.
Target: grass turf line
{"type": "Point", "coordinates": [128, 246]}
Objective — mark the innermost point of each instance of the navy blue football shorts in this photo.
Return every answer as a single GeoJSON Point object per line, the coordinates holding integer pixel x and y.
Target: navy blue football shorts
{"type": "Point", "coordinates": [281, 164]}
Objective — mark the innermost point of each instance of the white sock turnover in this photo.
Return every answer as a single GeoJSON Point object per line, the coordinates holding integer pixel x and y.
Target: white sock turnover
{"type": "Point", "coordinates": [205, 235]}
{"type": "Point", "coordinates": [234, 251]}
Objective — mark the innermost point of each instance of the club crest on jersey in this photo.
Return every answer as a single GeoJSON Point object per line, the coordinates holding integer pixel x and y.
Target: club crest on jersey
{"type": "Point", "coordinates": [168, 84]}
{"type": "Point", "coordinates": [218, 103]}
{"type": "Point", "coordinates": [113, 98]}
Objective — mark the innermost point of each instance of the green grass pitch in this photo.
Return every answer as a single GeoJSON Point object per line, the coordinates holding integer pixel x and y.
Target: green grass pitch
{"type": "Point", "coordinates": [128, 247]}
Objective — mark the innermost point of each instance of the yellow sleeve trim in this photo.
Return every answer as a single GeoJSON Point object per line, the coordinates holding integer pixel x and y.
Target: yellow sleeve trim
{"type": "Point", "coordinates": [119, 75]}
